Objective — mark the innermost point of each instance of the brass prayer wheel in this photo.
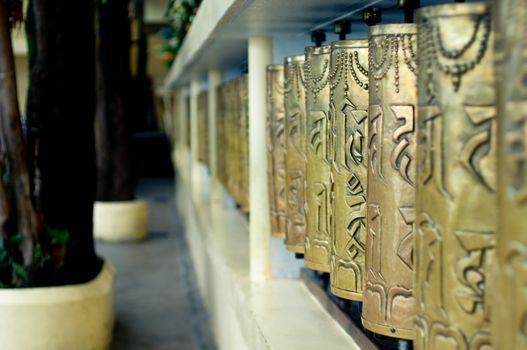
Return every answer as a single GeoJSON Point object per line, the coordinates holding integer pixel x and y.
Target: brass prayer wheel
{"type": "Point", "coordinates": [456, 167]}
{"type": "Point", "coordinates": [203, 147]}
{"type": "Point", "coordinates": [295, 124]}
{"type": "Point", "coordinates": [243, 145]}
{"type": "Point", "coordinates": [234, 138]}
{"type": "Point", "coordinates": [388, 306]}
{"type": "Point", "coordinates": [276, 148]}
{"type": "Point", "coordinates": [233, 172]}
{"type": "Point", "coordinates": [229, 147]}
{"type": "Point", "coordinates": [348, 115]}
{"type": "Point", "coordinates": [508, 291]}
{"type": "Point", "coordinates": [318, 169]}
{"type": "Point", "coordinates": [220, 138]}
{"type": "Point", "coordinates": [187, 120]}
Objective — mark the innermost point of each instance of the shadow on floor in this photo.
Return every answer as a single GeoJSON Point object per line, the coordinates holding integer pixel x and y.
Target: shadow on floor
{"type": "Point", "coordinates": [158, 303]}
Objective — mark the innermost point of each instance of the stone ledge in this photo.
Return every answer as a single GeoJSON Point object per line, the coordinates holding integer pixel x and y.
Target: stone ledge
{"type": "Point", "coordinates": [274, 314]}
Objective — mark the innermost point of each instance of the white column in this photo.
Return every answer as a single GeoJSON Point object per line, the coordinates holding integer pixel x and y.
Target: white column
{"type": "Point", "coordinates": [260, 56]}
{"type": "Point", "coordinates": [194, 138]}
{"type": "Point", "coordinates": [214, 81]}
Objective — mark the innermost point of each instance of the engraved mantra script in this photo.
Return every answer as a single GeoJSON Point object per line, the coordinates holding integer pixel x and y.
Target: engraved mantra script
{"type": "Point", "coordinates": [318, 137]}
{"type": "Point", "coordinates": [355, 142]}
{"type": "Point", "coordinates": [476, 148]}
{"type": "Point", "coordinates": [400, 157]}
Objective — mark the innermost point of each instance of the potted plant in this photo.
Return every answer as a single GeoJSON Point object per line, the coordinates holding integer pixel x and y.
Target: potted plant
{"type": "Point", "coordinates": [53, 283]}
{"type": "Point", "coordinates": [118, 214]}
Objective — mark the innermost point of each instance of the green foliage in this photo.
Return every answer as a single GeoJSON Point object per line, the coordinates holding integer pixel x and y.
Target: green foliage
{"type": "Point", "coordinates": [58, 236]}
{"type": "Point", "coordinates": [16, 238]}
{"type": "Point", "coordinates": [13, 273]}
{"type": "Point", "coordinates": [181, 14]}
{"type": "Point", "coordinates": [21, 272]}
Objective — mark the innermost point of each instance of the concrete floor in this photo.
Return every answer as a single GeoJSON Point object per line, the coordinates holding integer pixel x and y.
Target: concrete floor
{"type": "Point", "coordinates": [158, 305]}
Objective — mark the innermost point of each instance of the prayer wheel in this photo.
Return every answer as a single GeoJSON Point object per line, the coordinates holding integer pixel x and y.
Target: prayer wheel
{"type": "Point", "coordinates": [236, 174]}
{"type": "Point", "coordinates": [235, 134]}
{"type": "Point", "coordinates": [233, 173]}
{"type": "Point", "coordinates": [243, 145]}
{"type": "Point", "coordinates": [318, 167]}
{"type": "Point", "coordinates": [348, 115]}
{"type": "Point", "coordinates": [295, 123]}
{"type": "Point", "coordinates": [221, 138]}
{"type": "Point", "coordinates": [388, 302]}
{"type": "Point", "coordinates": [507, 285]}
{"type": "Point", "coordinates": [276, 149]}
{"type": "Point", "coordinates": [456, 167]}
{"type": "Point", "coordinates": [203, 147]}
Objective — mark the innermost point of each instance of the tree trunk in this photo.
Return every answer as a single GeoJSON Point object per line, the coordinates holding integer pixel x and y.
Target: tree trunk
{"type": "Point", "coordinates": [18, 213]}
{"type": "Point", "coordinates": [61, 107]}
{"type": "Point", "coordinates": [113, 128]}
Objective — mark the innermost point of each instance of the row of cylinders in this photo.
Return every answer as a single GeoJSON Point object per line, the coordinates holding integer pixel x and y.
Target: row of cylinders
{"type": "Point", "coordinates": [390, 168]}
{"type": "Point", "coordinates": [386, 162]}
{"type": "Point", "coordinates": [233, 140]}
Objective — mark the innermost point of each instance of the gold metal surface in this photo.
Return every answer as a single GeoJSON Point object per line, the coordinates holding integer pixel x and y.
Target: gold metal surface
{"type": "Point", "coordinates": [348, 115]}
{"type": "Point", "coordinates": [243, 142]}
{"type": "Point", "coordinates": [388, 306]}
{"type": "Point", "coordinates": [234, 138]}
{"type": "Point", "coordinates": [236, 109]}
{"type": "Point", "coordinates": [187, 120]}
{"type": "Point", "coordinates": [229, 159]}
{"type": "Point", "coordinates": [276, 148]}
{"type": "Point", "coordinates": [232, 135]}
{"type": "Point", "coordinates": [221, 137]}
{"type": "Point", "coordinates": [295, 123]}
{"type": "Point", "coordinates": [508, 282]}
{"type": "Point", "coordinates": [203, 147]}
{"type": "Point", "coordinates": [318, 168]}
{"type": "Point", "coordinates": [456, 167]}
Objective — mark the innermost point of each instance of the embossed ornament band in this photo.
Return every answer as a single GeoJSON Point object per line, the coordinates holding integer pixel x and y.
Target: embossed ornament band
{"type": "Point", "coordinates": [456, 194]}
{"type": "Point", "coordinates": [295, 124]}
{"type": "Point", "coordinates": [318, 169]}
{"type": "Point", "coordinates": [508, 292]}
{"type": "Point", "coordinates": [348, 116]}
{"type": "Point", "coordinates": [388, 306]}
{"type": "Point", "coordinates": [276, 149]}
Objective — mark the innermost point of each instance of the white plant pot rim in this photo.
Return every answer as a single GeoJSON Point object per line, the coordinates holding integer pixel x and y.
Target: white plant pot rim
{"type": "Point", "coordinates": [79, 316]}
{"type": "Point", "coordinates": [65, 293]}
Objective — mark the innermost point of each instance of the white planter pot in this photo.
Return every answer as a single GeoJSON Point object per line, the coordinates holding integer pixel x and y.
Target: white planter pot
{"type": "Point", "coordinates": [120, 221]}
{"type": "Point", "coordinates": [79, 317]}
